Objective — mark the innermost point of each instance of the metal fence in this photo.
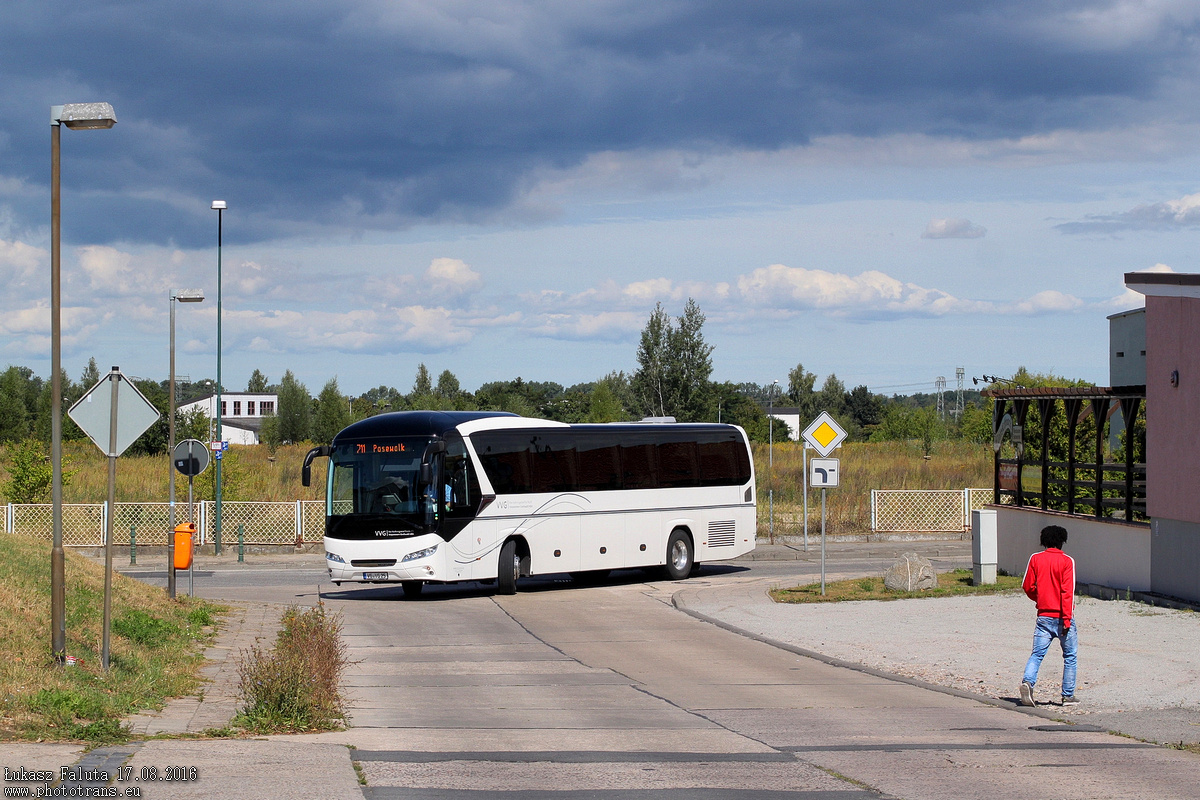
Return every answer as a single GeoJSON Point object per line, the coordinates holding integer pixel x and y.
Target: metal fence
{"type": "Point", "coordinates": [303, 521]}
{"type": "Point", "coordinates": [290, 522]}
{"type": "Point", "coordinates": [913, 510]}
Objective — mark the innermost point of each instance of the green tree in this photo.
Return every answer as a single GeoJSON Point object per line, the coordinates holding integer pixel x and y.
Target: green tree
{"type": "Point", "coordinates": [603, 405]}
{"type": "Point", "coordinates": [193, 424]}
{"type": "Point", "coordinates": [90, 376]}
{"type": "Point", "coordinates": [333, 413]}
{"type": "Point", "coordinates": [294, 410]}
{"type": "Point", "coordinates": [447, 387]}
{"type": "Point", "coordinates": [832, 397]}
{"type": "Point", "coordinates": [651, 383]}
{"type": "Point", "coordinates": [422, 385]}
{"type": "Point", "coordinates": [30, 473]}
{"type": "Point", "coordinates": [257, 382]}
{"type": "Point", "coordinates": [268, 434]}
{"type": "Point", "coordinates": [675, 366]}
{"type": "Point", "coordinates": [233, 479]}
{"type": "Point", "coordinates": [801, 392]}
{"type": "Point", "coordinates": [15, 422]}
{"type": "Point", "coordinates": [864, 408]}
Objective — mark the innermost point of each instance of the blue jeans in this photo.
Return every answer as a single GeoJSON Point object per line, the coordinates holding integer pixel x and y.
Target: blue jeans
{"type": "Point", "coordinates": [1048, 629]}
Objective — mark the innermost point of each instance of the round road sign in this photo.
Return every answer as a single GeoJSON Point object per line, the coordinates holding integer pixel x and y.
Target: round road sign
{"type": "Point", "coordinates": [190, 457]}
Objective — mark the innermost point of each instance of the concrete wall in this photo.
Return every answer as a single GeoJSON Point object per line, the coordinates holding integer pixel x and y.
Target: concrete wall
{"type": "Point", "coordinates": [1113, 554]}
{"type": "Point", "coordinates": [1173, 412]}
{"type": "Point", "coordinates": [1175, 559]}
{"type": "Point", "coordinates": [1127, 348]}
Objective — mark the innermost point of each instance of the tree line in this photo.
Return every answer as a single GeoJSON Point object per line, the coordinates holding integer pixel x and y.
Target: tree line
{"type": "Point", "coordinates": [673, 378]}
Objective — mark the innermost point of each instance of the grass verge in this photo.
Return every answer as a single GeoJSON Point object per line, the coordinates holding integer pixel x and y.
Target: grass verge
{"type": "Point", "coordinates": [156, 648]}
{"type": "Point", "coordinates": [950, 584]}
{"type": "Point", "coordinates": [296, 685]}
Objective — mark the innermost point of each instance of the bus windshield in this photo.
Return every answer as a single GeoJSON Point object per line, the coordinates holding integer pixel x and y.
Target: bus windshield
{"type": "Point", "coordinates": [377, 476]}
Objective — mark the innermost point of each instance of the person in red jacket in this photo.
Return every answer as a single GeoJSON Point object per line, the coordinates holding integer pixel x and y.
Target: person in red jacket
{"type": "Point", "coordinates": [1050, 582]}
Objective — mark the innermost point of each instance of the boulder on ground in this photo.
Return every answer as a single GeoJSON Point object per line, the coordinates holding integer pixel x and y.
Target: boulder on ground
{"type": "Point", "coordinates": [910, 573]}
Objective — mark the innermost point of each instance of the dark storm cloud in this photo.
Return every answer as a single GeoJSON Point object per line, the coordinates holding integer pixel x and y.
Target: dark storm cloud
{"type": "Point", "coordinates": [360, 114]}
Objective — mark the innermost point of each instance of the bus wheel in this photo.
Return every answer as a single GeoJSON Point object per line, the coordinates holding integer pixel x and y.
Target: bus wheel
{"type": "Point", "coordinates": [412, 588]}
{"type": "Point", "coordinates": [679, 555]}
{"type": "Point", "coordinates": [509, 569]}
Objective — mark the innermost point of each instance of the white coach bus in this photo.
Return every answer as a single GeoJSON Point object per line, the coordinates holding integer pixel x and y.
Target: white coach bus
{"type": "Point", "coordinates": [421, 497]}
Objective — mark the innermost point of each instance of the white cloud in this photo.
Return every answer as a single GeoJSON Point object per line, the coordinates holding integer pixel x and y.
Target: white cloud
{"type": "Point", "coordinates": [953, 229]}
{"type": "Point", "coordinates": [1046, 302]}
{"type": "Point", "coordinates": [780, 286]}
{"type": "Point", "coordinates": [452, 277]}
{"type": "Point", "coordinates": [1183, 212]}
{"type": "Point", "coordinates": [19, 260]}
{"type": "Point", "coordinates": [1129, 299]}
{"type": "Point", "coordinates": [107, 268]}
{"type": "Point", "coordinates": [445, 280]}
{"type": "Point", "coordinates": [605, 325]}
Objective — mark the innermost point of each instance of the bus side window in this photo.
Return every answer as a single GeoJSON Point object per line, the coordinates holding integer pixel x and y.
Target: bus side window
{"type": "Point", "coordinates": [461, 488]}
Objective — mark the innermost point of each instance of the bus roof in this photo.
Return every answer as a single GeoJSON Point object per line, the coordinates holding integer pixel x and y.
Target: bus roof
{"type": "Point", "coordinates": [413, 423]}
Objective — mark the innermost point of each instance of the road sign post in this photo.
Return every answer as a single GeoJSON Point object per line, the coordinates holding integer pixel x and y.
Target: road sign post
{"type": "Point", "coordinates": [825, 435]}
{"type": "Point", "coordinates": [190, 458]}
{"type": "Point", "coordinates": [113, 425]}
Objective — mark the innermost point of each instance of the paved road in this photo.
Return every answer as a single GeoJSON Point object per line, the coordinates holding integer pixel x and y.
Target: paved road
{"type": "Point", "coordinates": [565, 692]}
{"type": "Point", "coordinates": [568, 692]}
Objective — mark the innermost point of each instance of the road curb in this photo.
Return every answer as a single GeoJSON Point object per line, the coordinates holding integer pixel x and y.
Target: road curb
{"type": "Point", "coordinates": [680, 603]}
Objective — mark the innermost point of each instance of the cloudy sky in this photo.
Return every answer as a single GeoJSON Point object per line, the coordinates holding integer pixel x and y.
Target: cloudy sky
{"type": "Point", "coordinates": [887, 191]}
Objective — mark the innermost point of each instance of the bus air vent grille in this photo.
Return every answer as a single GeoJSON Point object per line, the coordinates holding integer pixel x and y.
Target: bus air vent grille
{"type": "Point", "coordinates": [721, 533]}
{"type": "Point", "coordinates": [374, 562]}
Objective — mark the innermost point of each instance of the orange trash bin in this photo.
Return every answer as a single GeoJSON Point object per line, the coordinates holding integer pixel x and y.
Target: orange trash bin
{"type": "Point", "coordinates": [184, 533]}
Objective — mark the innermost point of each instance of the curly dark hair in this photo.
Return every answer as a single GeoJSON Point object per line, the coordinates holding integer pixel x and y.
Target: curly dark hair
{"type": "Point", "coordinates": [1054, 536]}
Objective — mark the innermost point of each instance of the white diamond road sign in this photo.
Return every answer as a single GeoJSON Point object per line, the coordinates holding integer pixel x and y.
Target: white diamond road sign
{"type": "Point", "coordinates": [824, 434]}
{"type": "Point", "coordinates": [93, 413]}
{"type": "Point", "coordinates": [823, 473]}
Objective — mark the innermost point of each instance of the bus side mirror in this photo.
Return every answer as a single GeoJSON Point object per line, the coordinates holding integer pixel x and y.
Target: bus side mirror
{"type": "Point", "coordinates": [306, 471]}
{"type": "Point", "coordinates": [427, 461]}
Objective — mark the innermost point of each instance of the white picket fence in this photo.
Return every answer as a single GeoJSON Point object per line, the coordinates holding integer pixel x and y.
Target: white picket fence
{"type": "Point", "coordinates": [83, 524]}
{"type": "Point", "coordinates": [913, 510]}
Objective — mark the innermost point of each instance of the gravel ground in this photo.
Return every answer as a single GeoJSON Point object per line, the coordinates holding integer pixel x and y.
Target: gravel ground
{"type": "Point", "coordinates": [1132, 657]}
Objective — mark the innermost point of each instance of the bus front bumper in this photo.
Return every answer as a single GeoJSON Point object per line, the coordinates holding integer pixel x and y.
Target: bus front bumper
{"type": "Point", "coordinates": [420, 565]}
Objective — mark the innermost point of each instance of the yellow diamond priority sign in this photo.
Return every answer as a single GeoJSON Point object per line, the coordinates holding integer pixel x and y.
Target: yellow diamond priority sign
{"type": "Point", "coordinates": [824, 434]}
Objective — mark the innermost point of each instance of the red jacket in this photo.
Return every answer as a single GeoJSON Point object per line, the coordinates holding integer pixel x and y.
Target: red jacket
{"type": "Point", "coordinates": [1050, 582]}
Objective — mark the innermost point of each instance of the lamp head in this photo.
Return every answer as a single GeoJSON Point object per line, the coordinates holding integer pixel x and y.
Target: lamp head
{"type": "Point", "coordinates": [83, 116]}
{"type": "Point", "coordinates": [189, 295]}
{"type": "Point", "coordinates": [219, 205]}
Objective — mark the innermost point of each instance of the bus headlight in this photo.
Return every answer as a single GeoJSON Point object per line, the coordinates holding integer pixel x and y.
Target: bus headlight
{"type": "Point", "coordinates": [428, 551]}
{"type": "Point", "coordinates": [334, 557]}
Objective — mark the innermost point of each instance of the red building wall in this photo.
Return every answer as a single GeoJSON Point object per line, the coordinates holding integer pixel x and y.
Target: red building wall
{"type": "Point", "coordinates": [1173, 412]}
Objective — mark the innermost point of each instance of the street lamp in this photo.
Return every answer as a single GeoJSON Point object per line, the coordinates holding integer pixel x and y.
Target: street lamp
{"type": "Point", "coordinates": [77, 116]}
{"type": "Point", "coordinates": [771, 463]}
{"type": "Point", "coordinates": [219, 206]}
{"type": "Point", "coordinates": [183, 296]}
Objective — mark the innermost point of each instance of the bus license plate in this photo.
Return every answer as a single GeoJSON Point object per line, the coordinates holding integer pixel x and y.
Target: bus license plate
{"type": "Point", "coordinates": [375, 576]}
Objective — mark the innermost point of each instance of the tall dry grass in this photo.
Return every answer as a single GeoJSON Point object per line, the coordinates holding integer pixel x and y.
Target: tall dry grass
{"type": "Point", "coordinates": [864, 466]}
{"type": "Point", "coordinates": [142, 479]}
{"type": "Point", "coordinates": [251, 475]}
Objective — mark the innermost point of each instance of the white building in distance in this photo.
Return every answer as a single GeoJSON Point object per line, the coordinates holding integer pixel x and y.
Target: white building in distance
{"type": "Point", "coordinates": [241, 413]}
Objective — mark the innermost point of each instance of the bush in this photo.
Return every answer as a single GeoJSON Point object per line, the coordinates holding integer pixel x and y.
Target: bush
{"type": "Point", "coordinates": [295, 686]}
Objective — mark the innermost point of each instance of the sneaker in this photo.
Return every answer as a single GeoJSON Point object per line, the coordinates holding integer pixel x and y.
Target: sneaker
{"type": "Point", "coordinates": [1070, 700]}
{"type": "Point", "coordinates": [1027, 694]}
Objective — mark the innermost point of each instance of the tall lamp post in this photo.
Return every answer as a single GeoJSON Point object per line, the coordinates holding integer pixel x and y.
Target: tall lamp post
{"type": "Point", "coordinates": [219, 206]}
{"type": "Point", "coordinates": [77, 116]}
{"type": "Point", "coordinates": [183, 296]}
{"type": "Point", "coordinates": [771, 463]}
